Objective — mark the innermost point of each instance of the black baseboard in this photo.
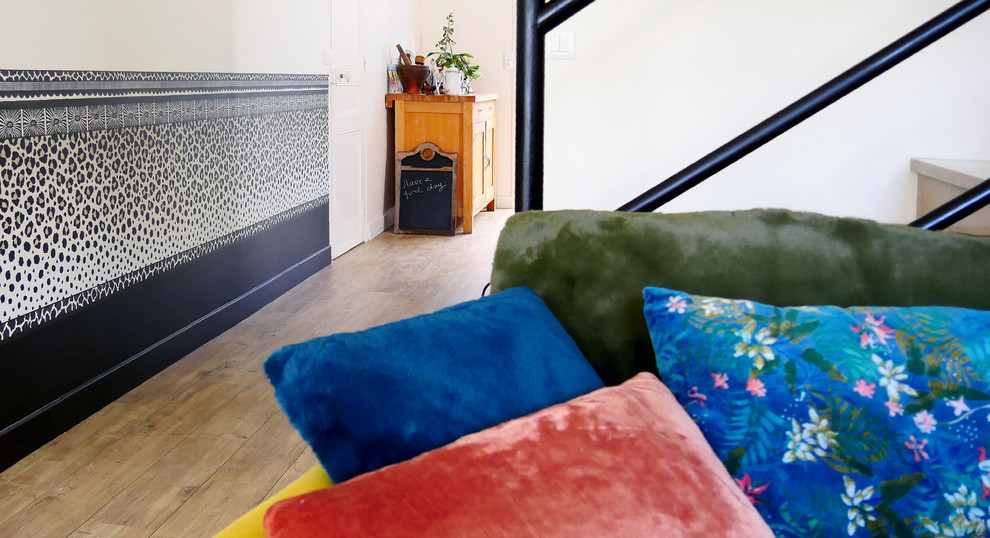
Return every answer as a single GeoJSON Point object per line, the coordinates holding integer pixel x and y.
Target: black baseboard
{"type": "Point", "coordinates": [54, 376]}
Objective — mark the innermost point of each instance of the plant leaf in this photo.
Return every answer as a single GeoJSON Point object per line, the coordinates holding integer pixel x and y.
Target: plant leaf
{"type": "Point", "coordinates": [790, 376]}
{"type": "Point", "coordinates": [798, 332]}
{"type": "Point", "coordinates": [946, 390]}
{"type": "Point", "coordinates": [855, 465]}
{"type": "Point", "coordinates": [819, 361]}
{"type": "Point", "coordinates": [891, 490]}
{"type": "Point", "coordinates": [915, 360]}
{"type": "Point", "coordinates": [894, 522]}
{"type": "Point", "coordinates": [734, 460]}
{"type": "Point", "coordinates": [923, 402]}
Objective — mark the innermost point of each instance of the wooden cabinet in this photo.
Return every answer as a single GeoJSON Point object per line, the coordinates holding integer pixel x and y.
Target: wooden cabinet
{"type": "Point", "coordinates": [461, 124]}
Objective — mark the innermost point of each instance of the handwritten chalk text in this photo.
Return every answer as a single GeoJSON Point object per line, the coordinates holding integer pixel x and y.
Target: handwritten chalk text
{"type": "Point", "coordinates": [413, 187]}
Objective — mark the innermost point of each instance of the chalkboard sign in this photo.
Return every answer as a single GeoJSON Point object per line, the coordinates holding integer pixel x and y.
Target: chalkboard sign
{"type": "Point", "coordinates": [426, 191]}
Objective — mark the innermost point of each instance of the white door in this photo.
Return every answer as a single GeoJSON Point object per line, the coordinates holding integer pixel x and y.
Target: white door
{"type": "Point", "coordinates": [348, 204]}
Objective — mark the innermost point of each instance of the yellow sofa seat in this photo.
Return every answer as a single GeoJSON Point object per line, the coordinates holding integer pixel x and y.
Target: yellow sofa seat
{"type": "Point", "coordinates": [251, 524]}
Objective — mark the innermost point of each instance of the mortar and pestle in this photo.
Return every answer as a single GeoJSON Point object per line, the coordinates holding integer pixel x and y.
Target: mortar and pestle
{"type": "Point", "coordinates": [412, 75]}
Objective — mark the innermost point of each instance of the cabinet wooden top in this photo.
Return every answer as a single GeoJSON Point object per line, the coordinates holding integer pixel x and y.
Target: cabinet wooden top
{"type": "Point", "coordinates": [391, 98]}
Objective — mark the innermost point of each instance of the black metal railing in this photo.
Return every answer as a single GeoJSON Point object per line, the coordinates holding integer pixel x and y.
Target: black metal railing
{"type": "Point", "coordinates": [956, 209]}
{"type": "Point", "coordinates": [536, 18]}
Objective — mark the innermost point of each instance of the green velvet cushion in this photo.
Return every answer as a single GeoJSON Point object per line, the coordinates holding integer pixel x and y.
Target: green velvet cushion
{"type": "Point", "coordinates": [590, 268]}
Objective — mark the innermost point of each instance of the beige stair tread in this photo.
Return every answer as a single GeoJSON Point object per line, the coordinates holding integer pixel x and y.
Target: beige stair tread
{"type": "Point", "coordinates": [941, 180]}
{"type": "Point", "coordinates": [959, 172]}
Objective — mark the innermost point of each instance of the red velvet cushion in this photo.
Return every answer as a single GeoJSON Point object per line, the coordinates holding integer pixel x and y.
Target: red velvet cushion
{"type": "Point", "coordinates": [620, 461]}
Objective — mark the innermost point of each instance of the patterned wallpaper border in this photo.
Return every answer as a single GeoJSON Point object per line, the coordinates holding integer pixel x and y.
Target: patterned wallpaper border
{"type": "Point", "coordinates": [43, 315]}
{"type": "Point", "coordinates": [42, 103]}
{"type": "Point", "coordinates": [13, 75]}
{"type": "Point", "coordinates": [50, 84]}
{"type": "Point", "coordinates": [54, 120]}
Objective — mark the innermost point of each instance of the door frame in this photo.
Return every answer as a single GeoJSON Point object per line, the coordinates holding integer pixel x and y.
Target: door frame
{"type": "Point", "coordinates": [349, 74]}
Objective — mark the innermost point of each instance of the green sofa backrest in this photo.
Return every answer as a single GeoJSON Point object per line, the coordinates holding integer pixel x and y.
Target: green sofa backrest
{"type": "Point", "coordinates": [590, 268]}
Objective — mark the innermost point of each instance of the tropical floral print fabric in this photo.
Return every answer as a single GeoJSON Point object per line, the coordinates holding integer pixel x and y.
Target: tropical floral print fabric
{"type": "Point", "coordinates": [863, 421]}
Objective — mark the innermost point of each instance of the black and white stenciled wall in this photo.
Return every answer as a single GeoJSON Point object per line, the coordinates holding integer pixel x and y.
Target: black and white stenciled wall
{"type": "Point", "coordinates": [109, 178]}
{"type": "Point", "coordinates": [141, 215]}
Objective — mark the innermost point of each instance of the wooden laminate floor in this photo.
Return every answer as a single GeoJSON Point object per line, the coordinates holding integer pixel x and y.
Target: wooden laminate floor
{"type": "Point", "coordinates": [199, 444]}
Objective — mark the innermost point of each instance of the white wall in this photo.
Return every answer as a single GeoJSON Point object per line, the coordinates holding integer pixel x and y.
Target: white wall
{"type": "Point", "coordinates": [252, 36]}
{"type": "Point", "coordinates": [488, 31]}
{"type": "Point", "coordinates": [388, 22]}
{"type": "Point", "coordinates": [279, 36]}
{"type": "Point", "coordinates": [658, 84]}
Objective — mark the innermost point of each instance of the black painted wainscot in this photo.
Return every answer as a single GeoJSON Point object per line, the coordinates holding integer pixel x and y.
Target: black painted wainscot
{"type": "Point", "coordinates": [141, 215]}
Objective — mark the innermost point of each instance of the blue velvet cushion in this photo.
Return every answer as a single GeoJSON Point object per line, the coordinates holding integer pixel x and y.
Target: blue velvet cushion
{"type": "Point", "coordinates": [372, 398]}
{"type": "Point", "coordinates": [864, 421]}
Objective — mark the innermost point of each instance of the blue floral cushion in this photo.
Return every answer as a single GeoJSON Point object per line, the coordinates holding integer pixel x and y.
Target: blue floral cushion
{"type": "Point", "coordinates": [863, 421]}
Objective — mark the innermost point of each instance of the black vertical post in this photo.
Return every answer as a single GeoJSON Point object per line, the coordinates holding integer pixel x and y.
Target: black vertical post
{"type": "Point", "coordinates": [529, 106]}
{"type": "Point", "coordinates": [534, 18]}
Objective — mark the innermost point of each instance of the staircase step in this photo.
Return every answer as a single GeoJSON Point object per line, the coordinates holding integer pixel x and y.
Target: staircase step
{"type": "Point", "coordinates": [940, 180]}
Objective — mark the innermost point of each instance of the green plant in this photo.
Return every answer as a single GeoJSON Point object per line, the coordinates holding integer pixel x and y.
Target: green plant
{"type": "Point", "coordinates": [446, 58]}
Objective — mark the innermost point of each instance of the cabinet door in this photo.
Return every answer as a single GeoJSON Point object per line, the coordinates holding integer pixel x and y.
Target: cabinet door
{"type": "Point", "coordinates": [488, 177]}
{"type": "Point", "coordinates": [478, 168]}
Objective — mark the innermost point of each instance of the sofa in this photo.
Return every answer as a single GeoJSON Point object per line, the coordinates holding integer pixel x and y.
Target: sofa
{"type": "Point", "coordinates": [814, 353]}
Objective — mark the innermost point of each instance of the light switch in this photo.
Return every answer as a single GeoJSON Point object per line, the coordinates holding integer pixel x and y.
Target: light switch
{"type": "Point", "coordinates": [560, 45]}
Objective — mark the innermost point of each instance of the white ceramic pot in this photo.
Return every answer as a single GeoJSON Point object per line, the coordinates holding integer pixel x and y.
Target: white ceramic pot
{"type": "Point", "coordinates": [453, 82]}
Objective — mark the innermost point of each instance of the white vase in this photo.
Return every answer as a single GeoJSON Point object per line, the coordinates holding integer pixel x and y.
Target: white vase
{"type": "Point", "coordinates": [453, 82]}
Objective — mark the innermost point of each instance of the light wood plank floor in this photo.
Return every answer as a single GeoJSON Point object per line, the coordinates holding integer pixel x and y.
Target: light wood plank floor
{"type": "Point", "coordinates": [199, 444]}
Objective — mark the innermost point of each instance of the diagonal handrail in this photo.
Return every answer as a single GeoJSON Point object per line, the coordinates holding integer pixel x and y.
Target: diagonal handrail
{"type": "Point", "coordinates": [807, 106]}
{"type": "Point", "coordinates": [555, 12]}
{"type": "Point", "coordinates": [537, 17]}
{"type": "Point", "coordinates": [955, 209]}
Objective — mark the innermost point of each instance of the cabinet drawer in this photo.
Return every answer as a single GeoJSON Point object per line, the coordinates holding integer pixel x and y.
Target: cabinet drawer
{"type": "Point", "coordinates": [483, 110]}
